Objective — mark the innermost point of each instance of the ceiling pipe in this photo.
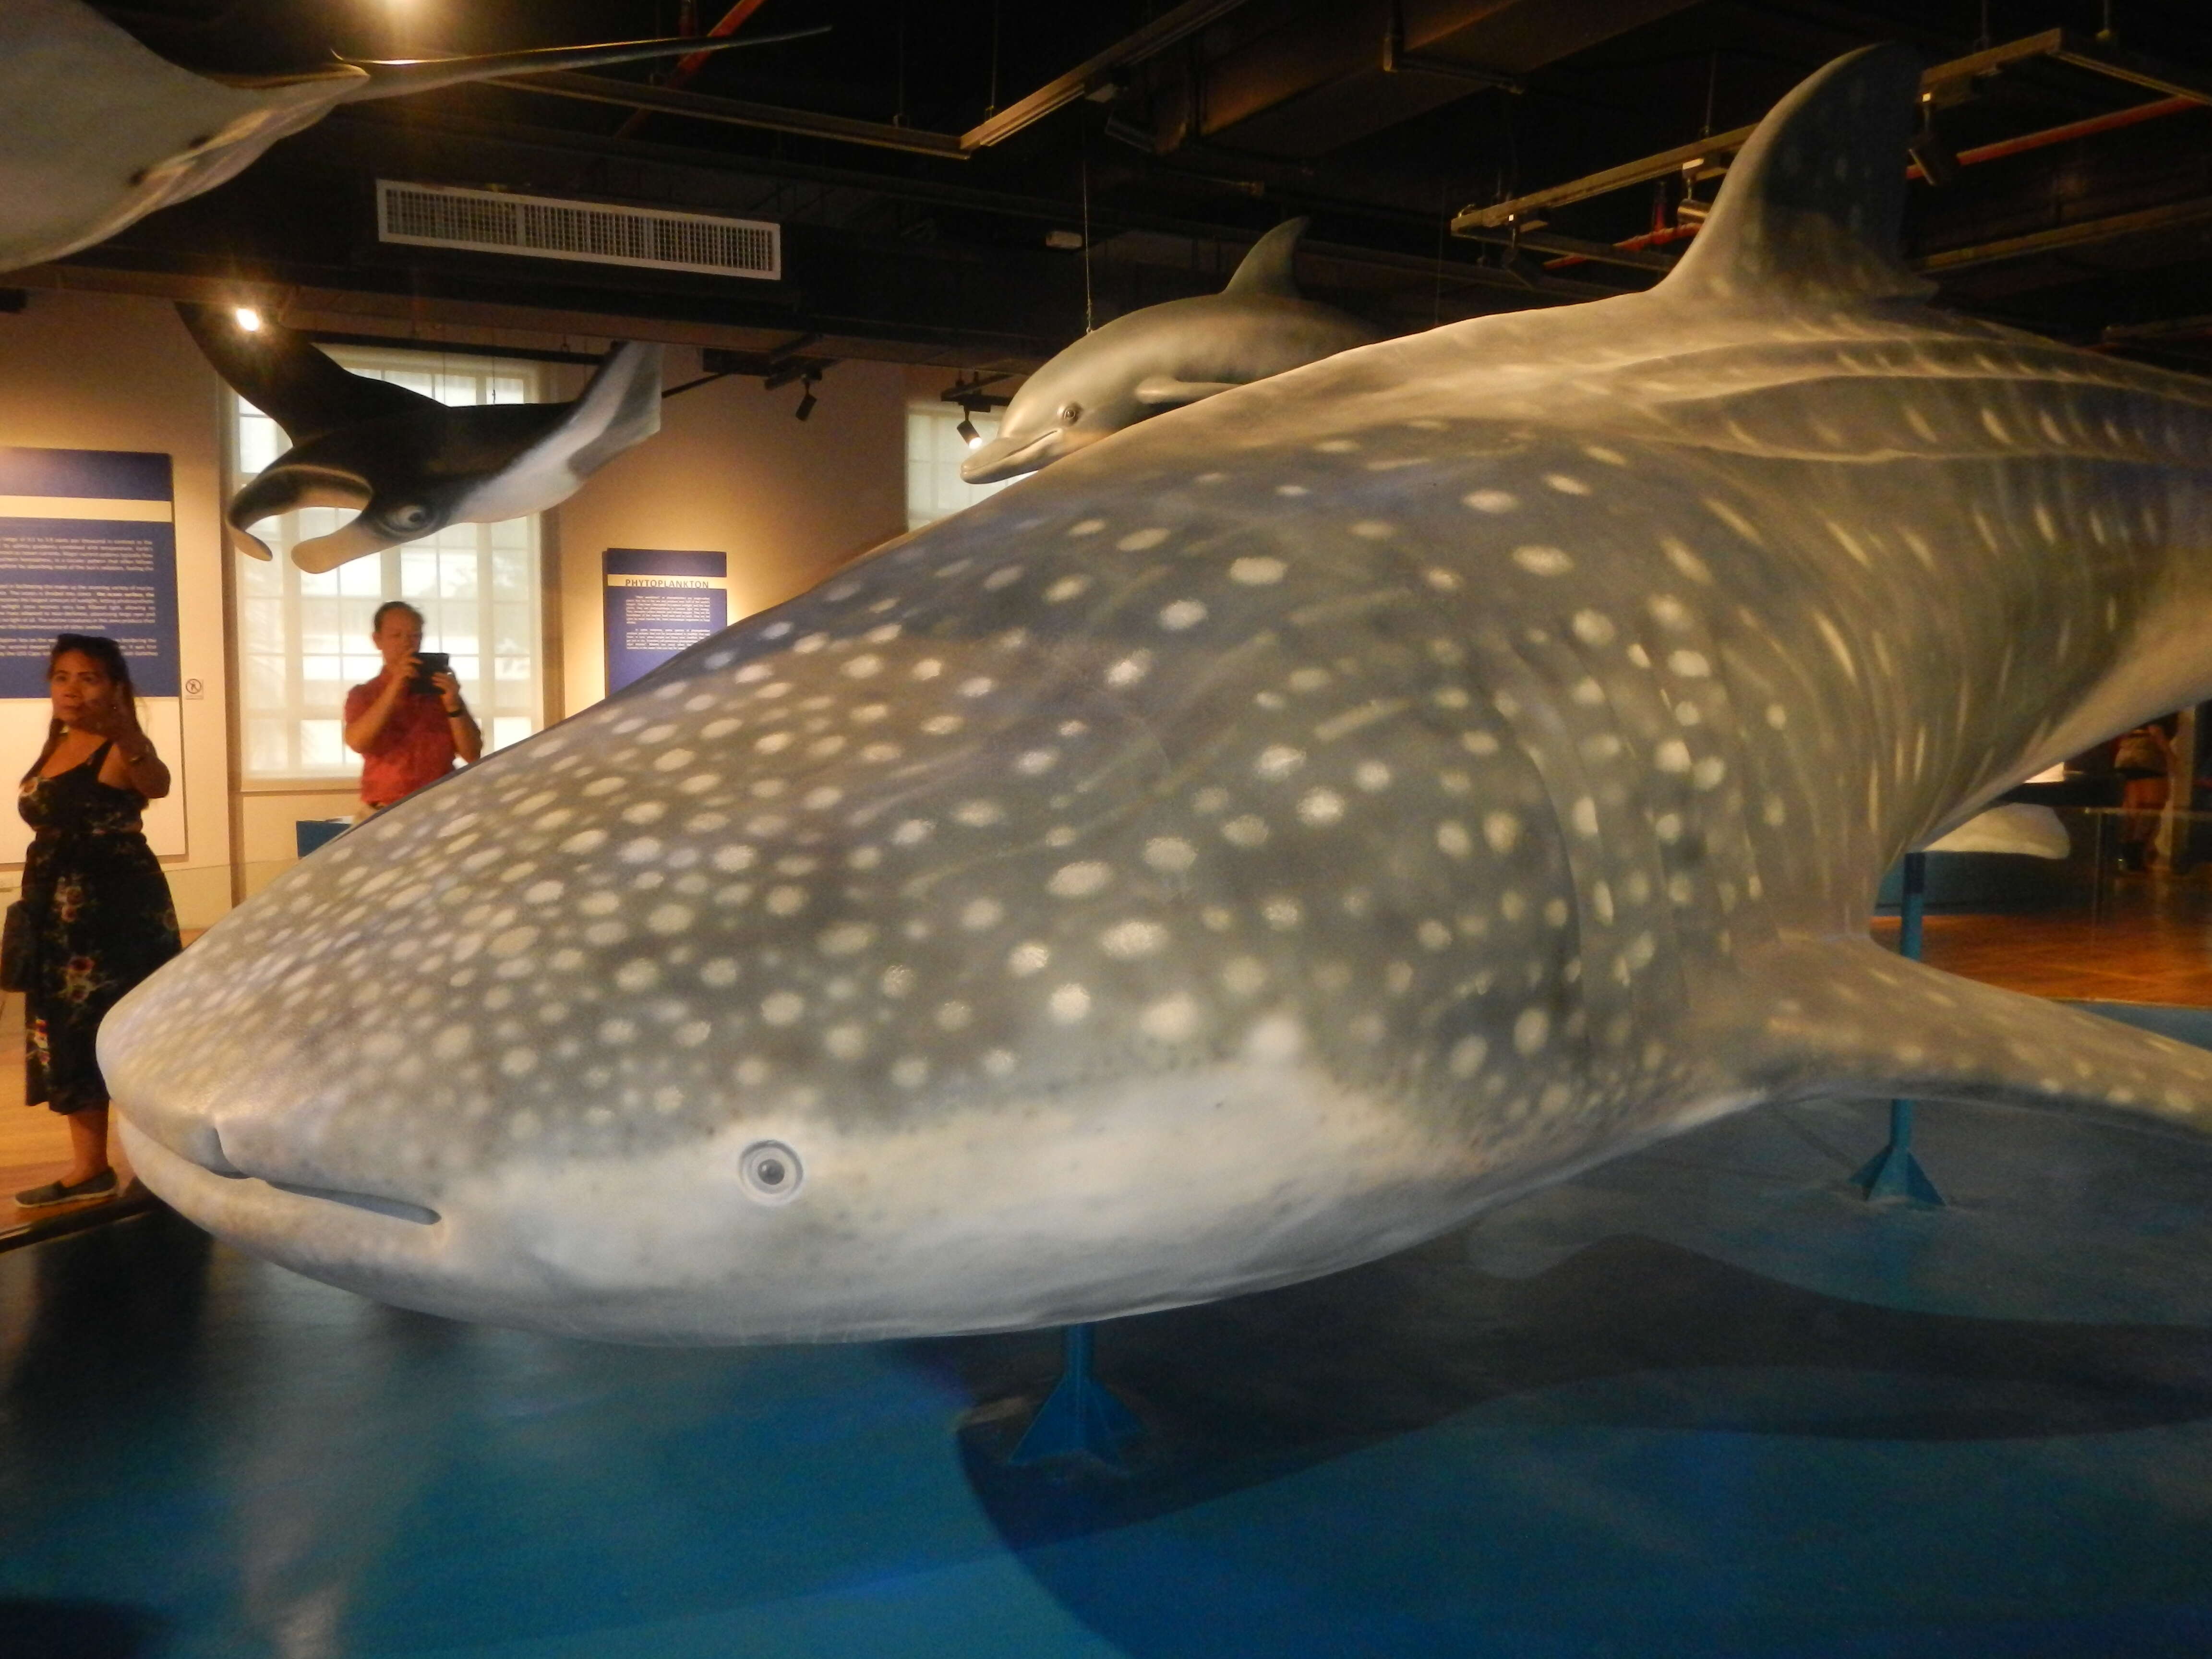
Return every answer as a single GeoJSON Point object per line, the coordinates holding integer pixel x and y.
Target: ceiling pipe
{"type": "Point", "coordinates": [2132, 116]}
{"type": "Point", "coordinates": [687, 69]}
{"type": "Point", "coordinates": [2061, 45]}
{"type": "Point", "coordinates": [1156, 37]}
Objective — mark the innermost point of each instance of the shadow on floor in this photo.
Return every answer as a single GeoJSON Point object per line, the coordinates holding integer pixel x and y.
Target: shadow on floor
{"type": "Point", "coordinates": [1244, 1392]}
{"type": "Point", "coordinates": [78, 1630]}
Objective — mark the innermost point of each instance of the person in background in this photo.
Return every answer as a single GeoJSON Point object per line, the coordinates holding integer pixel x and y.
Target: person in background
{"type": "Point", "coordinates": [98, 907]}
{"type": "Point", "coordinates": [405, 738]}
{"type": "Point", "coordinates": [2144, 760]}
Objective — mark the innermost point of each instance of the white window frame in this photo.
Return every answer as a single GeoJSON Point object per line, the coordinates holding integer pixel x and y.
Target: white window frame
{"type": "Point", "coordinates": [934, 450]}
{"type": "Point", "coordinates": [476, 584]}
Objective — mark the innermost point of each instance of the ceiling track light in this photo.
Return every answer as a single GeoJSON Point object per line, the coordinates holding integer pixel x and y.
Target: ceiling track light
{"type": "Point", "coordinates": [247, 319]}
{"type": "Point", "coordinates": [807, 397]}
{"type": "Point", "coordinates": [969, 435]}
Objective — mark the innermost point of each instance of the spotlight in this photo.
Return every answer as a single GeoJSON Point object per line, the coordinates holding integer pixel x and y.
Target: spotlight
{"type": "Point", "coordinates": [805, 399]}
{"type": "Point", "coordinates": [247, 319]}
{"type": "Point", "coordinates": [969, 436]}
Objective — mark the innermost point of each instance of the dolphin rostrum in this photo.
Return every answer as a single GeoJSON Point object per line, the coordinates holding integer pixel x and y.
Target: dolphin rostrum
{"type": "Point", "coordinates": [411, 464]}
{"type": "Point", "coordinates": [99, 131]}
{"type": "Point", "coordinates": [1258, 843]}
{"type": "Point", "coordinates": [1166, 356]}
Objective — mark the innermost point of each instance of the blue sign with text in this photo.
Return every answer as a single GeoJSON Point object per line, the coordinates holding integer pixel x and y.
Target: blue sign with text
{"type": "Point", "coordinates": [87, 545]}
{"type": "Point", "coordinates": [658, 604]}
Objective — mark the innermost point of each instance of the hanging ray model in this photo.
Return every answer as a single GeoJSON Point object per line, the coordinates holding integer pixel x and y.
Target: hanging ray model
{"type": "Point", "coordinates": [411, 464]}
{"type": "Point", "coordinates": [1167, 356]}
{"type": "Point", "coordinates": [1261, 842]}
{"type": "Point", "coordinates": [96, 131]}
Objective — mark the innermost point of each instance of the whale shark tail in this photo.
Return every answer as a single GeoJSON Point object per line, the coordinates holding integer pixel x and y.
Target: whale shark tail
{"type": "Point", "coordinates": [1844, 1017]}
{"type": "Point", "coordinates": [1271, 266]}
{"type": "Point", "coordinates": [1812, 208]}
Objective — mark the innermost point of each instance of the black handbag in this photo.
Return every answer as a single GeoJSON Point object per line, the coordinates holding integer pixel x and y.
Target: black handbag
{"type": "Point", "coordinates": [18, 948]}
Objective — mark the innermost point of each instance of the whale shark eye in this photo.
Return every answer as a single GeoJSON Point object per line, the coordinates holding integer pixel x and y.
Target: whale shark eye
{"type": "Point", "coordinates": [771, 1171]}
{"type": "Point", "coordinates": [1070, 413]}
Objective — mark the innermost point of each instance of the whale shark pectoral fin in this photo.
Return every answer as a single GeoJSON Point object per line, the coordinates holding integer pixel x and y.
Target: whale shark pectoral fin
{"type": "Point", "coordinates": [348, 542]}
{"type": "Point", "coordinates": [1270, 266]}
{"type": "Point", "coordinates": [1164, 391]}
{"type": "Point", "coordinates": [1813, 203]}
{"type": "Point", "coordinates": [1844, 1017]}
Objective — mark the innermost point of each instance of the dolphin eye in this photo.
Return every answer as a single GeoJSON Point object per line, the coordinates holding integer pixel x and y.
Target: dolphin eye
{"type": "Point", "coordinates": [412, 516]}
{"type": "Point", "coordinates": [771, 1171]}
{"type": "Point", "coordinates": [1070, 413]}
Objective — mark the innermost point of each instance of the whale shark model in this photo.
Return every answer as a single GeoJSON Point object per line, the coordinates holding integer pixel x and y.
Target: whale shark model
{"type": "Point", "coordinates": [411, 464]}
{"type": "Point", "coordinates": [1167, 356]}
{"type": "Point", "coordinates": [98, 131]}
{"type": "Point", "coordinates": [1260, 843]}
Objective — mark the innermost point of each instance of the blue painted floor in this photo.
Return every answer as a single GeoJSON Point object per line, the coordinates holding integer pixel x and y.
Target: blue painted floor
{"type": "Point", "coordinates": [1703, 1402]}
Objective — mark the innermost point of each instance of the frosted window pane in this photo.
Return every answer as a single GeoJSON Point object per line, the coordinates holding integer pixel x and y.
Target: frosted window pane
{"type": "Point", "coordinates": [304, 638]}
{"type": "Point", "coordinates": [934, 450]}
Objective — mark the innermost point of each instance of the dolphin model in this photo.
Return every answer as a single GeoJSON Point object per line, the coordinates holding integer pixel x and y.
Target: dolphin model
{"type": "Point", "coordinates": [411, 464]}
{"type": "Point", "coordinates": [1166, 356]}
{"type": "Point", "coordinates": [1262, 842]}
{"type": "Point", "coordinates": [99, 131]}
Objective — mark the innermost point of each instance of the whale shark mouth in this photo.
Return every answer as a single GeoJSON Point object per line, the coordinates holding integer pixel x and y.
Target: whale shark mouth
{"type": "Point", "coordinates": [204, 1148]}
{"type": "Point", "coordinates": [991, 463]}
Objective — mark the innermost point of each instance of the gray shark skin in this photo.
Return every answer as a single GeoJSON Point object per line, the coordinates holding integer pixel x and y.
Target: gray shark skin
{"type": "Point", "coordinates": [98, 132]}
{"type": "Point", "coordinates": [1258, 843]}
{"type": "Point", "coordinates": [410, 463]}
{"type": "Point", "coordinates": [1166, 356]}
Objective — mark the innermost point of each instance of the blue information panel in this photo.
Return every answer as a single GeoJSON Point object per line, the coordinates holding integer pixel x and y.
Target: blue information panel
{"type": "Point", "coordinates": [659, 603]}
{"type": "Point", "coordinates": [87, 545]}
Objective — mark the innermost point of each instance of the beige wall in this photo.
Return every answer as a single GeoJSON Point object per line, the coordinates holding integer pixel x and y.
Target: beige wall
{"type": "Point", "coordinates": [81, 371]}
{"type": "Point", "coordinates": [733, 472]}
{"type": "Point", "coordinates": [730, 471]}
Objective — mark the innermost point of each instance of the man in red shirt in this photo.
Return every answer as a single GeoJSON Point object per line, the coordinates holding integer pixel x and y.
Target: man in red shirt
{"type": "Point", "coordinates": [405, 738]}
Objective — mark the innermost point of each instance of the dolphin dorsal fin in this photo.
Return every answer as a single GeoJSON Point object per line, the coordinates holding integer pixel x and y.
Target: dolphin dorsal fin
{"type": "Point", "coordinates": [1813, 204]}
{"type": "Point", "coordinates": [1268, 268]}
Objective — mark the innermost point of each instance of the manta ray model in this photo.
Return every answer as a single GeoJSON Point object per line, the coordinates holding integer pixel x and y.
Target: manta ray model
{"type": "Point", "coordinates": [1166, 356]}
{"type": "Point", "coordinates": [411, 464]}
{"type": "Point", "coordinates": [98, 131]}
{"type": "Point", "coordinates": [1258, 843]}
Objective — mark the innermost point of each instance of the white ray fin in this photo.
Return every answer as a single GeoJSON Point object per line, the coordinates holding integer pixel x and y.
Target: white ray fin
{"type": "Point", "coordinates": [1844, 1017]}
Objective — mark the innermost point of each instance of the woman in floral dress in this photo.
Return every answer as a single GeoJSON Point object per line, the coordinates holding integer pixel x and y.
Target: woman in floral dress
{"type": "Point", "coordinates": [99, 908]}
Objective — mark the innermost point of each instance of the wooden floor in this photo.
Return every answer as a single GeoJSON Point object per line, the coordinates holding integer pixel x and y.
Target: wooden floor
{"type": "Point", "coordinates": [2148, 939]}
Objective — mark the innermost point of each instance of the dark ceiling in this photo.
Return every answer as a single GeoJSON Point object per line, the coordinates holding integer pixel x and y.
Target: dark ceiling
{"type": "Point", "coordinates": [917, 228]}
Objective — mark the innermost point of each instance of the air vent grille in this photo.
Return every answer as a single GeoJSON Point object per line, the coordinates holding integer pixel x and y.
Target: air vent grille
{"type": "Point", "coordinates": [495, 222]}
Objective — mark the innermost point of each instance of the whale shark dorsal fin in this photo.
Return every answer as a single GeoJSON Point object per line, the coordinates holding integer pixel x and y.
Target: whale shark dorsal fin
{"type": "Point", "coordinates": [1269, 268]}
{"type": "Point", "coordinates": [280, 372]}
{"type": "Point", "coordinates": [1844, 1017]}
{"type": "Point", "coordinates": [1813, 204]}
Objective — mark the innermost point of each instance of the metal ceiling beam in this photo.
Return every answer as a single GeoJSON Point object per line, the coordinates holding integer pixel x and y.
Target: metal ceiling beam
{"type": "Point", "coordinates": [2168, 216]}
{"type": "Point", "coordinates": [2061, 45]}
{"type": "Point", "coordinates": [1156, 37]}
{"type": "Point", "coordinates": [735, 111]}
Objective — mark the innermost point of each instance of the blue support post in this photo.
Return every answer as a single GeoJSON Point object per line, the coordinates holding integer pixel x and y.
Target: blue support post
{"type": "Point", "coordinates": [1894, 1172]}
{"type": "Point", "coordinates": [1081, 1416]}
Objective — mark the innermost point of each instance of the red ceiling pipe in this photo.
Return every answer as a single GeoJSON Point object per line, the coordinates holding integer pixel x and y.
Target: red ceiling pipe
{"type": "Point", "coordinates": [687, 67]}
{"type": "Point", "coordinates": [1967, 158]}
